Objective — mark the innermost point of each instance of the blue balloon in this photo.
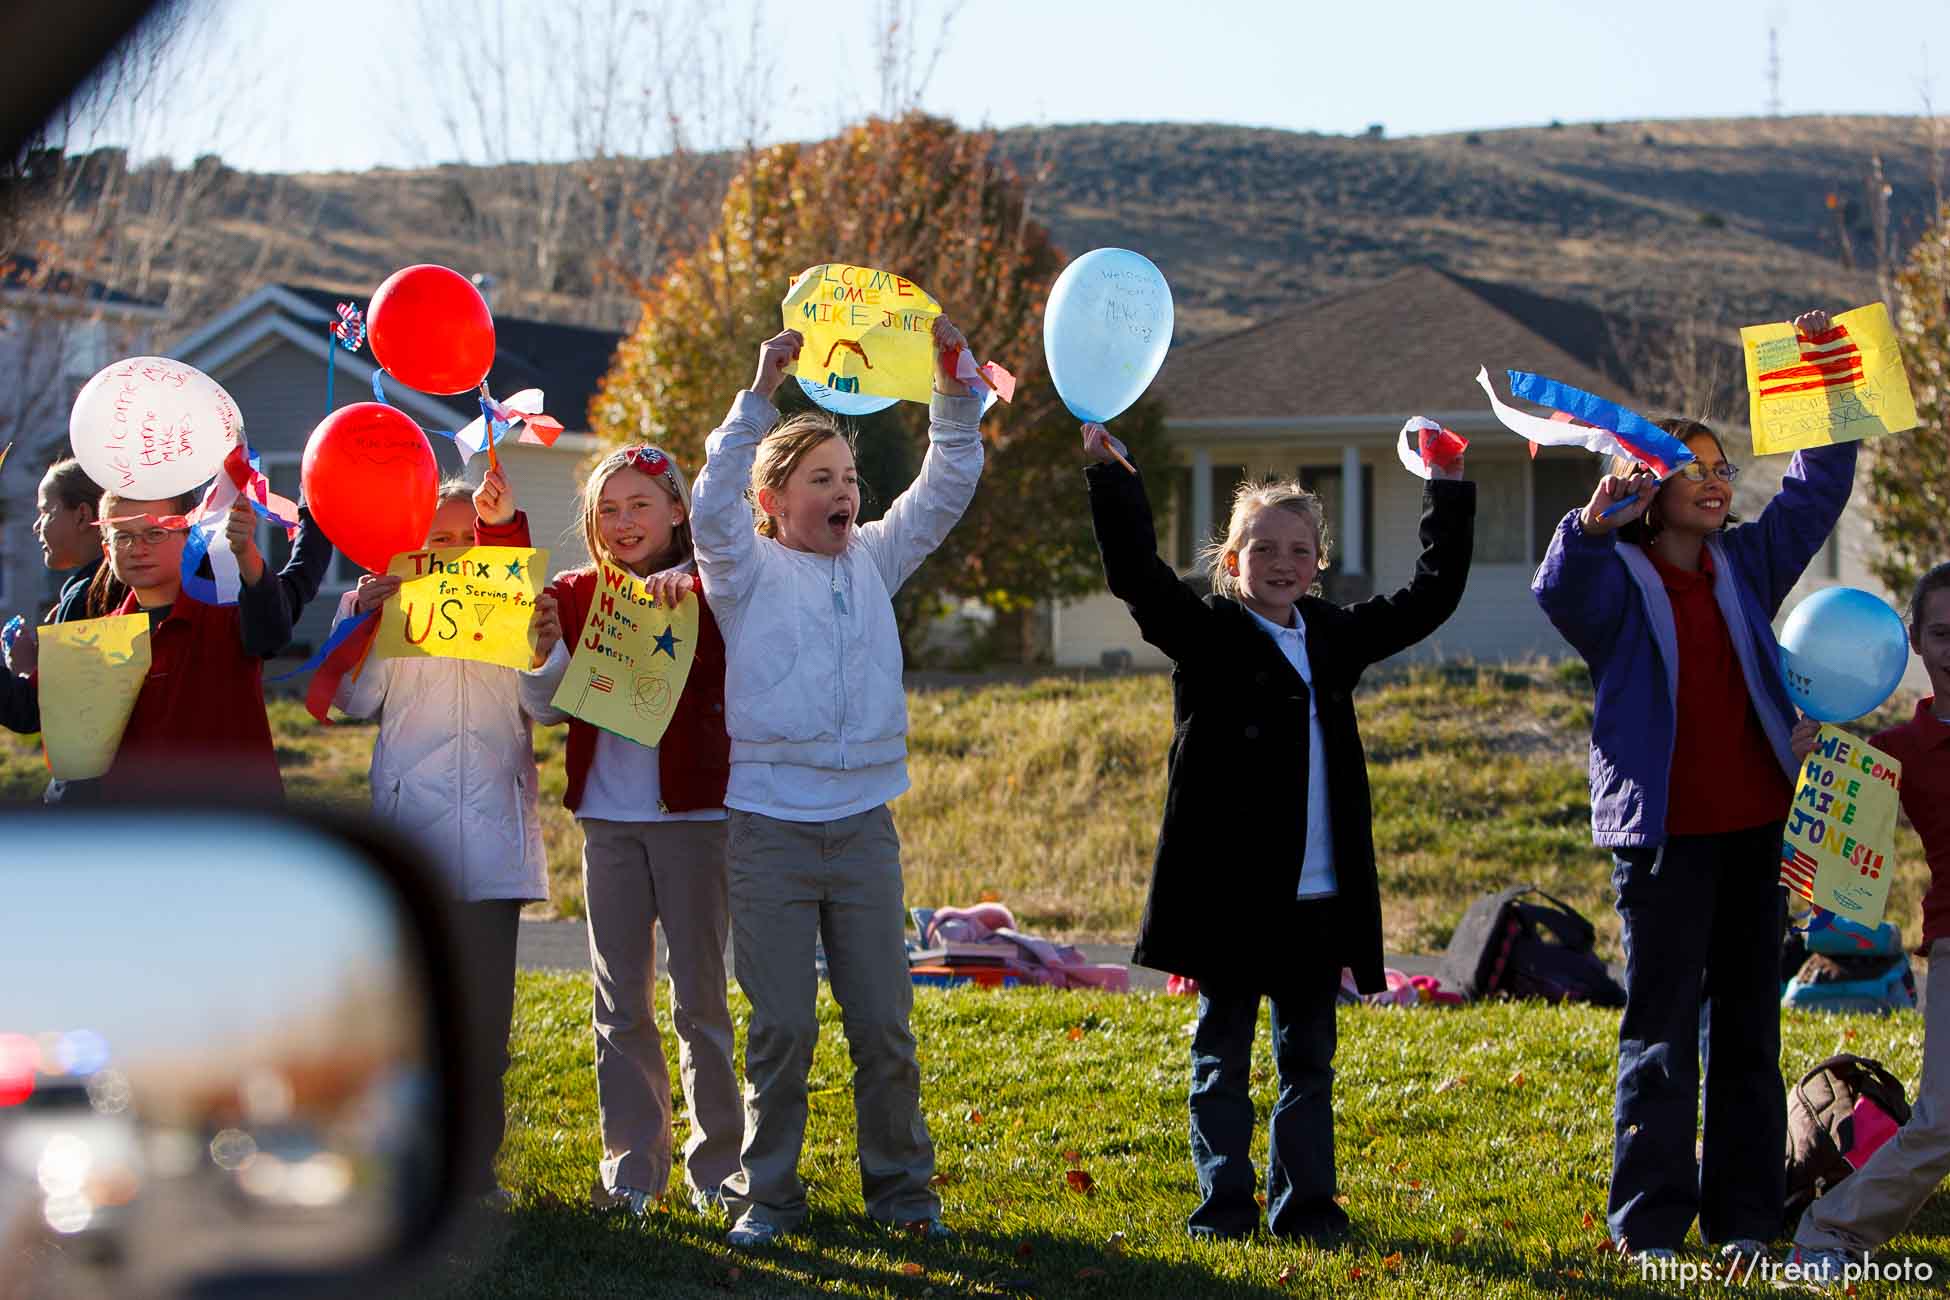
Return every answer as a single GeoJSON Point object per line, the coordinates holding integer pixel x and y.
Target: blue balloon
{"type": "Point", "coordinates": [1842, 652]}
{"type": "Point", "coordinates": [839, 403]}
{"type": "Point", "coordinates": [1106, 331]}
{"type": "Point", "coordinates": [856, 404]}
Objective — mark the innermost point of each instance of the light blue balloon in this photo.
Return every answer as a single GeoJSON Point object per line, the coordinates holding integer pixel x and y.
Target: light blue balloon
{"type": "Point", "coordinates": [851, 404]}
{"type": "Point", "coordinates": [1106, 331]}
{"type": "Point", "coordinates": [858, 404]}
{"type": "Point", "coordinates": [1842, 652]}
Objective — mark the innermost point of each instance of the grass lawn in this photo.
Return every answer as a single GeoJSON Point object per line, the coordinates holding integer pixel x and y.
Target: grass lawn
{"type": "Point", "coordinates": [1473, 1152]}
{"type": "Point", "coordinates": [1047, 794]}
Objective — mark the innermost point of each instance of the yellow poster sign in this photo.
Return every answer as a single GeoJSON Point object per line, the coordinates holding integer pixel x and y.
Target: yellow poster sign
{"type": "Point", "coordinates": [1845, 384]}
{"type": "Point", "coordinates": [469, 602]}
{"type": "Point", "coordinates": [866, 331]}
{"type": "Point", "coordinates": [632, 658]}
{"type": "Point", "coordinates": [91, 672]}
{"type": "Point", "coordinates": [1841, 830]}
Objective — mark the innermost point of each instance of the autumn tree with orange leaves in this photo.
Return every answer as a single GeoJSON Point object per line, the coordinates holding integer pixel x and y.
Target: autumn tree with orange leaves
{"type": "Point", "coordinates": [926, 200]}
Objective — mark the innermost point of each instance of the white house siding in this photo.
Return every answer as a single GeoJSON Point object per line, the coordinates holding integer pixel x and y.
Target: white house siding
{"type": "Point", "coordinates": [546, 481]}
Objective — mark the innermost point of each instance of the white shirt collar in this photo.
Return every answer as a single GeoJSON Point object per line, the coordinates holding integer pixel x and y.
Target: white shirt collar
{"type": "Point", "coordinates": [1298, 629]}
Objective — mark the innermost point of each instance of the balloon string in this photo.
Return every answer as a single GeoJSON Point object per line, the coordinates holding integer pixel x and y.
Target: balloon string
{"type": "Point", "coordinates": [378, 393]}
{"type": "Point", "coordinates": [331, 358]}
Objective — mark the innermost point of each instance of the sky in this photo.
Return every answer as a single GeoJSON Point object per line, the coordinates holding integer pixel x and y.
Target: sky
{"type": "Point", "coordinates": [362, 83]}
{"type": "Point", "coordinates": [165, 932]}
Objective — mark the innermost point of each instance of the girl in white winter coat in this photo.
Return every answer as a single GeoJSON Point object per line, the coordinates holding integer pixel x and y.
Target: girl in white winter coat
{"type": "Point", "coordinates": [453, 770]}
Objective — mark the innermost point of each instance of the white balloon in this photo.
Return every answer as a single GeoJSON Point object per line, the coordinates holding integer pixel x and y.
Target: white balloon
{"type": "Point", "coordinates": [1106, 330]}
{"type": "Point", "coordinates": [149, 428]}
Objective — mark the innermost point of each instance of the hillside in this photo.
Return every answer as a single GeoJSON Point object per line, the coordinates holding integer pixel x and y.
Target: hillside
{"type": "Point", "coordinates": [1721, 219]}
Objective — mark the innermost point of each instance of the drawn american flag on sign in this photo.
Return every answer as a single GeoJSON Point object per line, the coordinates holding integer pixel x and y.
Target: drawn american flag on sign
{"type": "Point", "coordinates": [1828, 360]}
{"type": "Point", "coordinates": [601, 683]}
{"type": "Point", "coordinates": [1798, 871]}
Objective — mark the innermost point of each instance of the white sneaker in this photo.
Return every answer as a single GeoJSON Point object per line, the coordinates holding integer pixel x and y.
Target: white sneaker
{"type": "Point", "coordinates": [708, 1202]}
{"type": "Point", "coordinates": [640, 1202]}
{"type": "Point", "coordinates": [1810, 1267]}
{"type": "Point", "coordinates": [749, 1232]}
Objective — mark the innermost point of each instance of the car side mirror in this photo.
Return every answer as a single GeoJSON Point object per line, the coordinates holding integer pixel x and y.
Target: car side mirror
{"type": "Point", "coordinates": [229, 1056]}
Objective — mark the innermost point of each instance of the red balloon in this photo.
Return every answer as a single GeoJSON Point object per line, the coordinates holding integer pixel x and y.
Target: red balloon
{"type": "Point", "coordinates": [370, 479]}
{"type": "Point", "coordinates": [431, 330]}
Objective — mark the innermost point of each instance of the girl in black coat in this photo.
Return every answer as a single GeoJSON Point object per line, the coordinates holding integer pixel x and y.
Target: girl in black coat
{"type": "Point", "coordinates": [1264, 879]}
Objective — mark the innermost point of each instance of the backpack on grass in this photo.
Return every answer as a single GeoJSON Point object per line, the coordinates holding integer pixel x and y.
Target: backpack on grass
{"type": "Point", "coordinates": [1878, 983]}
{"type": "Point", "coordinates": [1523, 942]}
{"type": "Point", "coordinates": [1837, 1115]}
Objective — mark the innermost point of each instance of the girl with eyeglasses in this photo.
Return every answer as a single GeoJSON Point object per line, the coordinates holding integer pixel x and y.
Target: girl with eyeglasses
{"type": "Point", "coordinates": [653, 848]}
{"type": "Point", "coordinates": [1671, 605]}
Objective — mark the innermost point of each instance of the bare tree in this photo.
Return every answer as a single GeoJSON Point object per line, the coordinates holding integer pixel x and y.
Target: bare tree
{"type": "Point", "coordinates": [1682, 364]}
{"type": "Point", "coordinates": [94, 214]}
{"type": "Point", "coordinates": [588, 129]}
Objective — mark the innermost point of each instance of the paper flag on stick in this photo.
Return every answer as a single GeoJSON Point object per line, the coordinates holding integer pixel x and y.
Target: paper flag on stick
{"type": "Point", "coordinates": [521, 412]}
{"type": "Point", "coordinates": [1426, 446]}
{"type": "Point", "coordinates": [91, 673]}
{"type": "Point", "coordinates": [1839, 386]}
{"type": "Point", "coordinates": [632, 658]}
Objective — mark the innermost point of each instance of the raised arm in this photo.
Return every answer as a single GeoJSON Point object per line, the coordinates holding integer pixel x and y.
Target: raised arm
{"type": "Point", "coordinates": [721, 516]}
{"type": "Point", "coordinates": [1169, 614]}
{"type": "Point", "coordinates": [1388, 624]}
{"type": "Point", "coordinates": [920, 518]}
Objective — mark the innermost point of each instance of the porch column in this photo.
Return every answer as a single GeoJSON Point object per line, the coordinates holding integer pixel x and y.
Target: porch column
{"type": "Point", "coordinates": [1201, 497]}
{"type": "Point", "coordinates": [1351, 561]}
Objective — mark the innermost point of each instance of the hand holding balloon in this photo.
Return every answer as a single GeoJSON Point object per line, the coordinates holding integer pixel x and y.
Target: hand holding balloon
{"type": "Point", "coordinates": [1801, 741]}
{"type": "Point", "coordinates": [1100, 446]}
{"type": "Point", "coordinates": [1842, 652]}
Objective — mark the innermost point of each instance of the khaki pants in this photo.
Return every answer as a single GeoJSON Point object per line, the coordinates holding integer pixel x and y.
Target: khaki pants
{"type": "Point", "coordinates": [1878, 1200]}
{"type": "Point", "coordinates": [633, 875]}
{"type": "Point", "coordinates": [792, 882]}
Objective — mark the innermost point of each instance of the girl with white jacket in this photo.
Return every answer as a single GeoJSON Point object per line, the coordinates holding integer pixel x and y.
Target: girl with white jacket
{"type": "Point", "coordinates": [453, 770]}
{"type": "Point", "coordinates": [818, 723]}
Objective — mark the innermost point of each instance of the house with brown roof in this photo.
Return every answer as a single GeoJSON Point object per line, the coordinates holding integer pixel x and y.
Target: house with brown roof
{"type": "Point", "coordinates": [1321, 393]}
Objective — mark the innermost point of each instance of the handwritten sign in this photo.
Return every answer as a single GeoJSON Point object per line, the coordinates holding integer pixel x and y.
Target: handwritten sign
{"type": "Point", "coordinates": [632, 658]}
{"type": "Point", "coordinates": [470, 602]}
{"type": "Point", "coordinates": [1845, 384]}
{"type": "Point", "coordinates": [91, 672]}
{"type": "Point", "coordinates": [150, 427]}
{"type": "Point", "coordinates": [869, 332]}
{"type": "Point", "coordinates": [1841, 829]}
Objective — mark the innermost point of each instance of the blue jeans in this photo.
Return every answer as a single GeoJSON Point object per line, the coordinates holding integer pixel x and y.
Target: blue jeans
{"type": "Point", "coordinates": [1703, 918]}
{"type": "Point", "coordinates": [1300, 1156]}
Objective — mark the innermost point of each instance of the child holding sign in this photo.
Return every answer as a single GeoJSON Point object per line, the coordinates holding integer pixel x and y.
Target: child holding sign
{"type": "Point", "coordinates": [453, 770]}
{"type": "Point", "coordinates": [653, 848]}
{"type": "Point", "coordinates": [1690, 780]}
{"type": "Point", "coordinates": [198, 727]}
{"type": "Point", "coordinates": [1877, 1201]}
{"type": "Point", "coordinates": [818, 721]}
{"type": "Point", "coordinates": [1266, 757]}
{"type": "Point", "coordinates": [70, 538]}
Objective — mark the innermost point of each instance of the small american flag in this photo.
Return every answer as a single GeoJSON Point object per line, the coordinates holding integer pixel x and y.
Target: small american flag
{"type": "Point", "coordinates": [350, 330]}
{"type": "Point", "coordinates": [601, 683]}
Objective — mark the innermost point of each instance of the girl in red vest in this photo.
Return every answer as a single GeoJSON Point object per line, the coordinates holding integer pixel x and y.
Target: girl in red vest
{"type": "Point", "coordinates": [653, 828]}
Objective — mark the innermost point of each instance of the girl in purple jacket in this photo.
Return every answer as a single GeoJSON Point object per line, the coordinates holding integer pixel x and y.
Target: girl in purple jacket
{"type": "Point", "coordinates": [1691, 774]}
